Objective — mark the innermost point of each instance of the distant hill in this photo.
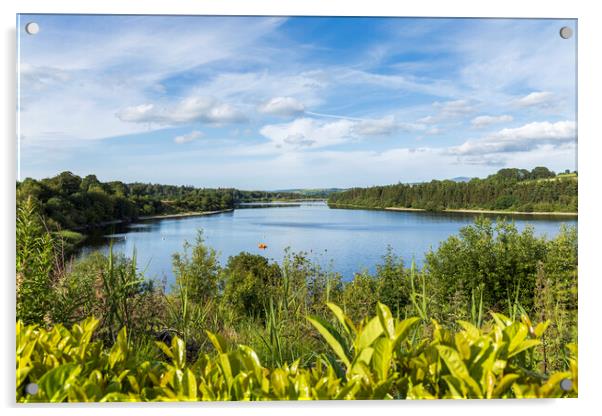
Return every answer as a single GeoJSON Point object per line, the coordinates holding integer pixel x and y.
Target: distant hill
{"type": "Point", "coordinates": [461, 179]}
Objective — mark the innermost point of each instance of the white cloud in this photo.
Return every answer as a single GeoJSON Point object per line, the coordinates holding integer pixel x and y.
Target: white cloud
{"type": "Point", "coordinates": [379, 127]}
{"type": "Point", "coordinates": [448, 110]}
{"type": "Point", "coordinates": [539, 98]}
{"type": "Point", "coordinates": [282, 106]}
{"type": "Point", "coordinates": [484, 121]}
{"type": "Point", "coordinates": [309, 132]}
{"type": "Point", "coordinates": [185, 138]}
{"type": "Point", "coordinates": [189, 110]}
{"type": "Point", "coordinates": [453, 108]}
{"type": "Point", "coordinates": [428, 120]}
{"type": "Point", "coordinates": [520, 139]}
{"type": "Point", "coordinates": [137, 113]}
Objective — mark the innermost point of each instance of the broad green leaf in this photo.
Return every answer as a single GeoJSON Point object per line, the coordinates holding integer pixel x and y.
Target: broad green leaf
{"type": "Point", "coordinates": [520, 335]}
{"type": "Point", "coordinates": [332, 337]}
{"type": "Point", "coordinates": [382, 357]}
{"type": "Point", "coordinates": [458, 369]}
{"type": "Point", "coordinates": [179, 352]}
{"type": "Point", "coordinates": [166, 350]}
{"type": "Point", "coordinates": [402, 329]}
{"type": "Point", "coordinates": [386, 319]}
{"type": "Point", "coordinates": [472, 331]}
{"type": "Point", "coordinates": [343, 319]}
{"type": "Point", "coordinates": [279, 382]}
{"type": "Point", "coordinates": [55, 384]}
{"type": "Point", "coordinates": [368, 334]}
{"type": "Point", "coordinates": [525, 345]}
{"type": "Point", "coordinates": [219, 343]}
{"type": "Point", "coordinates": [504, 385]}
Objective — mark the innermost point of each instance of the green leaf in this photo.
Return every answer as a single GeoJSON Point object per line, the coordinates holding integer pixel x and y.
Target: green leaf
{"type": "Point", "coordinates": [55, 384]}
{"type": "Point", "coordinates": [188, 384]}
{"type": "Point", "coordinates": [368, 334]}
{"type": "Point", "coordinates": [518, 338]}
{"type": "Point", "coordinates": [458, 369]}
{"type": "Point", "coordinates": [386, 319]}
{"type": "Point", "coordinates": [504, 385]}
{"type": "Point", "coordinates": [165, 349]}
{"type": "Point", "coordinates": [218, 342]}
{"type": "Point", "coordinates": [332, 337]}
{"type": "Point", "coordinates": [525, 345]}
{"type": "Point", "coordinates": [179, 352]}
{"type": "Point", "coordinates": [343, 319]}
{"type": "Point", "coordinates": [279, 382]}
{"type": "Point", "coordinates": [119, 350]}
{"type": "Point", "coordinates": [402, 329]}
{"type": "Point", "coordinates": [382, 357]}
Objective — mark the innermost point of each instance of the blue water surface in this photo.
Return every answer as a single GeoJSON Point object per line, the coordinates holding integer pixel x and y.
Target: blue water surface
{"type": "Point", "coordinates": [347, 241]}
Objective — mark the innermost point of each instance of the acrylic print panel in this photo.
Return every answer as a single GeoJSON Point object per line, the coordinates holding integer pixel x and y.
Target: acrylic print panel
{"type": "Point", "coordinates": [281, 208]}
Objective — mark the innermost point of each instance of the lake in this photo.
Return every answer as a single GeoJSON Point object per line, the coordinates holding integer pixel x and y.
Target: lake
{"type": "Point", "coordinates": [346, 240]}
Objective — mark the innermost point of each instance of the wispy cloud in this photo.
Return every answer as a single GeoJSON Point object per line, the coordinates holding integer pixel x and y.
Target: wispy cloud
{"type": "Point", "coordinates": [484, 121]}
{"type": "Point", "coordinates": [282, 106]}
{"type": "Point", "coordinates": [312, 133]}
{"type": "Point", "coordinates": [448, 110]}
{"type": "Point", "coordinates": [185, 138]}
{"type": "Point", "coordinates": [188, 110]}
{"type": "Point", "coordinates": [520, 139]}
{"type": "Point", "coordinates": [537, 98]}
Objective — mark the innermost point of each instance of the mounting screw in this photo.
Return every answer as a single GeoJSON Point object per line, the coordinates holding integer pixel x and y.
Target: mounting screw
{"type": "Point", "coordinates": [32, 28]}
{"type": "Point", "coordinates": [566, 384]}
{"type": "Point", "coordinates": [31, 388]}
{"type": "Point", "coordinates": [566, 32]}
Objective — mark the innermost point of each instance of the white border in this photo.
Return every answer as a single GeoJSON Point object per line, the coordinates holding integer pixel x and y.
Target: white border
{"type": "Point", "coordinates": [590, 34]}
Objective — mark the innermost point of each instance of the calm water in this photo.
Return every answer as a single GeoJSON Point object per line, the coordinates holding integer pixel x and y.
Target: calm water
{"type": "Point", "coordinates": [348, 240]}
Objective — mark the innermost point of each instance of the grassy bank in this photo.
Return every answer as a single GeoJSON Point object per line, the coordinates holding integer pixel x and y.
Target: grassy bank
{"type": "Point", "coordinates": [465, 211]}
{"type": "Point", "coordinates": [184, 214]}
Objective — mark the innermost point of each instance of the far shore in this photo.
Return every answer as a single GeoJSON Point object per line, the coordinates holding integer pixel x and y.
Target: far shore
{"type": "Point", "coordinates": [183, 214]}
{"type": "Point", "coordinates": [488, 211]}
{"type": "Point", "coordinates": [463, 211]}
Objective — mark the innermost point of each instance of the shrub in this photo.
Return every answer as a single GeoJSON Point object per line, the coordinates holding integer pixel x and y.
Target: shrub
{"type": "Point", "coordinates": [377, 358]}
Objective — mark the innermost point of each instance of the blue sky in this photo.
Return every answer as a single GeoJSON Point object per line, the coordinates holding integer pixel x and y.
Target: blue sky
{"type": "Point", "coordinates": [274, 102]}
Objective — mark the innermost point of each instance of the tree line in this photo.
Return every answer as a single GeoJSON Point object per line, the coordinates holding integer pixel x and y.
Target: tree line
{"type": "Point", "coordinates": [538, 190]}
{"type": "Point", "coordinates": [68, 201]}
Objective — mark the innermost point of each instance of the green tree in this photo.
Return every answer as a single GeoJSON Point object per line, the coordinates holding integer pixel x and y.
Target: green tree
{"type": "Point", "coordinates": [250, 281]}
{"type": "Point", "coordinates": [494, 258]}
{"type": "Point", "coordinates": [198, 270]}
{"type": "Point", "coordinates": [393, 288]}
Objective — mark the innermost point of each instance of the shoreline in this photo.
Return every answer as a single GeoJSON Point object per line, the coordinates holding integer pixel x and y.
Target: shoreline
{"type": "Point", "coordinates": [536, 213]}
{"type": "Point", "coordinates": [463, 211]}
{"type": "Point", "coordinates": [182, 215]}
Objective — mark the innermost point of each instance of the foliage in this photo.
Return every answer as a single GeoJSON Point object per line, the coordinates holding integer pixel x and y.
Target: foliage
{"type": "Point", "coordinates": [373, 359]}
{"type": "Point", "coordinates": [250, 282]}
{"type": "Point", "coordinates": [68, 201]}
{"type": "Point", "coordinates": [199, 272]}
{"type": "Point", "coordinates": [508, 189]}
{"type": "Point", "coordinates": [492, 257]}
{"type": "Point", "coordinates": [34, 265]}
{"type": "Point", "coordinates": [487, 270]}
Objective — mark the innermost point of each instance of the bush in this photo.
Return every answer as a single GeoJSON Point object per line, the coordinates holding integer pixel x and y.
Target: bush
{"type": "Point", "coordinates": [377, 358]}
{"type": "Point", "coordinates": [496, 259]}
{"type": "Point", "coordinates": [250, 281]}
